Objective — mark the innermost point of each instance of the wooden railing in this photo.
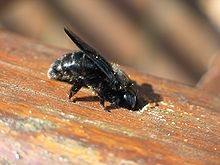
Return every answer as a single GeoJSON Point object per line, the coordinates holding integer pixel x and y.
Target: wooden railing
{"type": "Point", "coordinates": [38, 124]}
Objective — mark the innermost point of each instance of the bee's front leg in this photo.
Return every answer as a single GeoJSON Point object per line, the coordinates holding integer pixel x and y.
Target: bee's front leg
{"type": "Point", "coordinates": [102, 101]}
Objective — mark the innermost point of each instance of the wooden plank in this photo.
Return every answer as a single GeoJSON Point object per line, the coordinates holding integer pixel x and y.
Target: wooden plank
{"type": "Point", "coordinates": [38, 125]}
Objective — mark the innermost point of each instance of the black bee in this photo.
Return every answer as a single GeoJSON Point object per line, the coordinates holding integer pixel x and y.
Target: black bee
{"type": "Point", "coordinates": [86, 68]}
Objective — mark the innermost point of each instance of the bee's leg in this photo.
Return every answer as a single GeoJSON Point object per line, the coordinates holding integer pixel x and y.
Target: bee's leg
{"type": "Point", "coordinates": [114, 104]}
{"type": "Point", "coordinates": [102, 101]}
{"type": "Point", "coordinates": [77, 85]}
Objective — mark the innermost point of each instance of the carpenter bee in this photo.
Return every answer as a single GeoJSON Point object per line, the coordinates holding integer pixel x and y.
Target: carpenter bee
{"type": "Point", "coordinates": [86, 68]}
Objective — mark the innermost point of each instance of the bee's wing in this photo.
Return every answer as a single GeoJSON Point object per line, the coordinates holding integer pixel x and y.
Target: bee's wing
{"type": "Point", "coordinates": [92, 54]}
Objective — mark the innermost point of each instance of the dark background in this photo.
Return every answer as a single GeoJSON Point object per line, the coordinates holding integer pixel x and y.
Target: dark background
{"type": "Point", "coordinates": [173, 39]}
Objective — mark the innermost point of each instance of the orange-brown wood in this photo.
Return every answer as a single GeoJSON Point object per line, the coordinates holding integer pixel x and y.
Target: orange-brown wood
{"type": "Point", "coordinates": [39, 125]}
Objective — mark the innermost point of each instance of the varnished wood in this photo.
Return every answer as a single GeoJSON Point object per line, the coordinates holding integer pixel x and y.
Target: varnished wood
{"type": "Point", "coordinates": [38, 125]}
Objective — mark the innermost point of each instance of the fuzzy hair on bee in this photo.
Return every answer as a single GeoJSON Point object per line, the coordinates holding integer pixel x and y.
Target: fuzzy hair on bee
{"type": "Point", "coordinates": [87, 68]}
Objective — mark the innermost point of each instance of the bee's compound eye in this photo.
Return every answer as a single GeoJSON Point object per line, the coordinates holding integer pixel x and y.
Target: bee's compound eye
{"type": "Point", "coordinates": [130, 99]}
{"type": "Point", "coordinates": [125, 96]}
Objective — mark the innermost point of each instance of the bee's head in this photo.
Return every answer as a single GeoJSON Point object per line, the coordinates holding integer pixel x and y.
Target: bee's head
{"type": "Point", "coordinates": [60, 69]}
{"type": "Point", "coordinates": [128, 99]}
{"type": "Point", "coordinates": [128, 94]}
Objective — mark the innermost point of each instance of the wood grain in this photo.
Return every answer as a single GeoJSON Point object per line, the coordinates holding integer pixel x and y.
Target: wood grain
{"type": "Point", "coordinates": [38, 125]}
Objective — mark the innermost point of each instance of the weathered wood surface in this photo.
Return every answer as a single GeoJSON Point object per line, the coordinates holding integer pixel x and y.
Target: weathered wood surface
{"type": "Point", "coordinates": [38, 125]}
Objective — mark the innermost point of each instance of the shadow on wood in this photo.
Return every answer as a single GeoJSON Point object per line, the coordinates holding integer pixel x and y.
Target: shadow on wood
{"type": "Point", "coordinates": [145, 95]}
